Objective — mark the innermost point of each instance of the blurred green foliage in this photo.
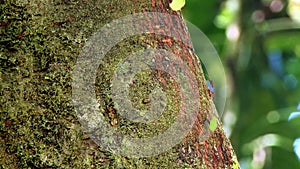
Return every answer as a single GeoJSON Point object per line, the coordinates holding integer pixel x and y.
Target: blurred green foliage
{"type": "Point", "coordinates": [263, 72]}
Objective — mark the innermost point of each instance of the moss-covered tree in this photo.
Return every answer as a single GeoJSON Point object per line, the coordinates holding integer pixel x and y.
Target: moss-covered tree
{"type": "Point", "coordinates": [39, 44]}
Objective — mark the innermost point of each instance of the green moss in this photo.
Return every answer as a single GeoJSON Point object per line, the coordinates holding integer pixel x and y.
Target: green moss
{"type": "Point", "coordinates": [38, 48]}
{"type": "Point", "coordinates": [39, 44]}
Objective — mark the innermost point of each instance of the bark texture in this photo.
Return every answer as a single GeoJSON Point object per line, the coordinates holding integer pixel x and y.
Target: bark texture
{"type": "Point", "coordinates": [39, 45]}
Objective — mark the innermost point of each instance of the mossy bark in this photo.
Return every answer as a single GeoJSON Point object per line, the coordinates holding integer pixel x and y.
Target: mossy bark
{"type": "Point", "coordinates": [39, 44]}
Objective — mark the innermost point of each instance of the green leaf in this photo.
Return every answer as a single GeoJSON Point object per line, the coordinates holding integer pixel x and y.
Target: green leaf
{"type": "Point", "coordinates": [176, 5]}
{"type": "Point", "coordinates": [235, 163]}
{"type": "Point", "coordinates": [213, 124]}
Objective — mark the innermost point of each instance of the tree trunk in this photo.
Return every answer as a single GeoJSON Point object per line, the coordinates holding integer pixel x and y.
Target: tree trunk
{"type": "Point", "coordinates": [40, 44]}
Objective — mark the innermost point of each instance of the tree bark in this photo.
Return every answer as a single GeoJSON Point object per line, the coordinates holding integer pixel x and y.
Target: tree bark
{"type": "Point", "coordinates": [40, 42]}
